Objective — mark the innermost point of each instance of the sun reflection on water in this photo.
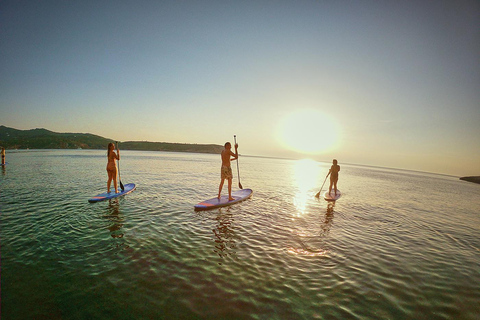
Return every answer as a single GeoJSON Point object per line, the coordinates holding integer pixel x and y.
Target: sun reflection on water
{"type": "Point", "coordinates": [305, 172]}
{"type": "Point", "coordinates": [303, 252]}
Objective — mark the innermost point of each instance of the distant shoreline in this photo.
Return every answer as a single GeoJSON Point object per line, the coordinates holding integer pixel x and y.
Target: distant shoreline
{"type": "Point", "coordinates": [474, 179]}
{"type": "Point", "coordinates": [42, 139]}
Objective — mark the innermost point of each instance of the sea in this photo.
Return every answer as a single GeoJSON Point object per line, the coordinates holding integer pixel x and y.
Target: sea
{"type": "Point", "coordinates": [397, 244]}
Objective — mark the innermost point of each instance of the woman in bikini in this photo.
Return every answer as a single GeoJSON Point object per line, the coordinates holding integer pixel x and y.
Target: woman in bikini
{"type": "Point", "coordinates": [112, 166]}
{"type": "Point", "coordinates": [334, 169]}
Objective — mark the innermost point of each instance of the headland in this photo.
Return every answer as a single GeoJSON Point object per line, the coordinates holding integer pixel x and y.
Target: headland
{"type": "Point", "coordinates": [474, 179]}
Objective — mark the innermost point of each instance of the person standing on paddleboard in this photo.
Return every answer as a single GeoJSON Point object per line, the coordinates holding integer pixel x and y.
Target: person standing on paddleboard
{"type": "Point", "coordinates": [112, 166]}
{"type": "Point", "coordinates": [3, 155]}
{"type": "Point", "coordinates": [226, 170]}
{"type": "Point", "coordinates": [334, 169]}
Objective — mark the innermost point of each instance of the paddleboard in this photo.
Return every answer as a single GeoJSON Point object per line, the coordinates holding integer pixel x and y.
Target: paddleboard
{"type": "Point", "coordinates": [3, 164]}
{"type": "Point", "coordinates": [129, 187]}
{"type": "Point", "coordinates": [213, 203]}
{"type": "Point", "coordinates": [332, 196]}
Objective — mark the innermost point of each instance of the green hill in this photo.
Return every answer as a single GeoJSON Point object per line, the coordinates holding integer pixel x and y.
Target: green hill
{"type": "Point", "coordinates": [44, 139]}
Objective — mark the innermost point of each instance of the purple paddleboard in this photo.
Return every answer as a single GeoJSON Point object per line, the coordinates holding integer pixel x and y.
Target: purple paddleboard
{"type": "Point", "coordinates": [213, 203]}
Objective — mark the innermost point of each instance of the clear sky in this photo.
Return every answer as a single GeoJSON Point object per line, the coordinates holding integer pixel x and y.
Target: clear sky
{"type": "Point", "coordinates": [385, 83]}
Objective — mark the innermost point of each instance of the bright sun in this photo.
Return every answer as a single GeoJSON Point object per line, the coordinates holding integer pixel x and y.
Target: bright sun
{"type": "Point", "coordinates": [308, 131]}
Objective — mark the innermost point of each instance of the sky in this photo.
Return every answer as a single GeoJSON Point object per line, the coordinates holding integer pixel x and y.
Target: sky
{"type": "Point", "coordinates": [382, 83]}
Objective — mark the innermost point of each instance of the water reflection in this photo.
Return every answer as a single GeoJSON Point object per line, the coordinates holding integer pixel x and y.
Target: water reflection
{"type": "Point", "coordinates": [116, 219]}
{"type": "Point", "coordinates": [305, 174]}
{"type": "Point", "coordinates": [328, 219]}
{"type": "Point", "coordinates": [225, 235]}
{"type": "Point", "coordinates": [313, 239]}
{"type": "Point", "coordinates": [306, 250]}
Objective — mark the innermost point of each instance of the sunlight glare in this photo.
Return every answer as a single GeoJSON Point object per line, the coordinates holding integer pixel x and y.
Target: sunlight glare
{"type": "Point", "coordinates": [306, 175]}
{"type": "Point", "coordinates": [308, 131]}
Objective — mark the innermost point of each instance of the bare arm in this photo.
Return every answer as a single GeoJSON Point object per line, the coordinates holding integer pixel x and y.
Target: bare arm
{"type": "Point", "coordinates": [235, 155]}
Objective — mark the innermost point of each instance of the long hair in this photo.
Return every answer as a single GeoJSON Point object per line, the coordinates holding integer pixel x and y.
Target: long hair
{"type": "Point", "coordinates": [109, 147]}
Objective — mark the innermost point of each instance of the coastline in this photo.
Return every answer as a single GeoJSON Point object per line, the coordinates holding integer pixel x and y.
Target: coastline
{"type": "Point", "coordinates": [474, 179]}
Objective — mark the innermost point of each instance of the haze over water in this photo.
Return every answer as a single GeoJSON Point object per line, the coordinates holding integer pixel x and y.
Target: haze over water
{"type": "Point", "coordinates": [397, 245]}
{"type": "Point", "coordinates": [390, 83]}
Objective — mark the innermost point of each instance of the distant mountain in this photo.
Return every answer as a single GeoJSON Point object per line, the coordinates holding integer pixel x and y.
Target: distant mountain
{"type": "Point", "coordinates": [44, 139]}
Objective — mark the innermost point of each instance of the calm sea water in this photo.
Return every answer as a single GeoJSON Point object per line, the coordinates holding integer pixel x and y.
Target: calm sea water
{"type": "Point", "coordinates": [397, 245]}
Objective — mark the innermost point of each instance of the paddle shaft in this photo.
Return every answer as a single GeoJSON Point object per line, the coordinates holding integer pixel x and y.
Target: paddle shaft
{"type": "Point", "coordinates": [238, 170]}
{"type": "Point", "coordinates": [318, 194]}
{"type": "Point", "coordinates": [119, 178]}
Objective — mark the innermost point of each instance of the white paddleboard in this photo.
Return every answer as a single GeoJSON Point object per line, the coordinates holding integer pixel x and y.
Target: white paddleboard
{"type": "Point", "coordinates": [331, 196]}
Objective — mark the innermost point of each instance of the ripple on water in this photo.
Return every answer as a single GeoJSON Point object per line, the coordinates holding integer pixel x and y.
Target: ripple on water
{"type": "Point", "coordinates": [280, 255]}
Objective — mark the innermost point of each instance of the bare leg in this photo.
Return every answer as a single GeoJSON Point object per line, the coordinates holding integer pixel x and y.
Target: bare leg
{"type": "Point", "coordinates": [330, 188]}
{"type": "Point", "coordinates": [109, 181]}
{"type": "Point", "coordinates": [230, 190]}
{"type": "Point", "coordinates": [115, 181]}
{"type": "Point", "coordinates": [335, 186]}
{"type": "Point", "coordinates": [220, 188]}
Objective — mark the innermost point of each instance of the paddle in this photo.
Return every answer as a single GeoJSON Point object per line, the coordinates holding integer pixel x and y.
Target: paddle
{"type": "Point", "coordinates": [238, 170]}
{"type": "Point", "coordinates": [318, 194]}
{"type": "Point", "coordinates": [119, 178]}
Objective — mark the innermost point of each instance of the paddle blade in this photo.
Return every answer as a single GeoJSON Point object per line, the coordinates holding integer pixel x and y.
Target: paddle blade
{"type": "Point", "coordinates": [121, 186]}
{"type": "Point", "coordinates": [317, 195]}
{"type": "Point", "coordinates": [240, 185]}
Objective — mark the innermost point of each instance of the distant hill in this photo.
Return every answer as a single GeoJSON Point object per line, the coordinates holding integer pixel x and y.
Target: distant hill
{"type": "Point", "coordinates": [175, 147]}
{"type": "Point", "coordinates": [44, 139]}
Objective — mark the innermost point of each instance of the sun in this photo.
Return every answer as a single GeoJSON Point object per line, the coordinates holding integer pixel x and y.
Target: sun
{"type": "Point", "coordinates": [308, 131]}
